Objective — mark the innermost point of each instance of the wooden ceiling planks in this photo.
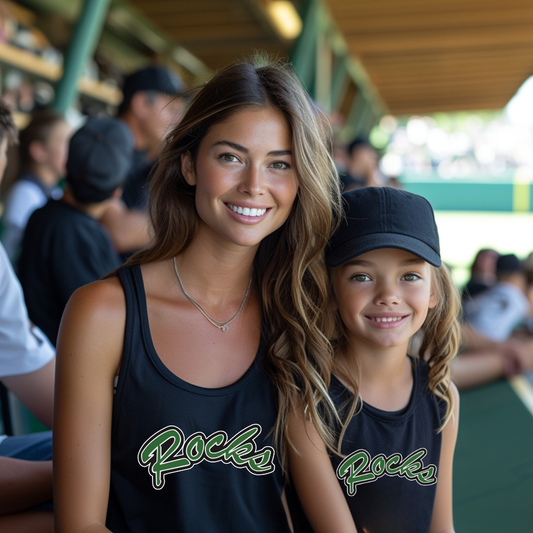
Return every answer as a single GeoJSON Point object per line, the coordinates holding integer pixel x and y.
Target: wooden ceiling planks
{"type": "Point", "coordinates": [215, 31]}
{"type": "Point", "coordinates": [434, 55]}
{"type": "Point", "coordinates": [422, 55]}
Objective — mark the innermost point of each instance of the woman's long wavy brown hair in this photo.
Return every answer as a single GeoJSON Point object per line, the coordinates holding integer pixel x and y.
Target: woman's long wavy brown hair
{"type": "Point", "coordinates": [289, 266]}
{"type": "Point", "coordinates": [440, 341]}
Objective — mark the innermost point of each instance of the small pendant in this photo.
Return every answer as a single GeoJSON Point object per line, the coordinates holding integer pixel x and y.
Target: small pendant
{"type": "Point", "coordinates": [224, 328]}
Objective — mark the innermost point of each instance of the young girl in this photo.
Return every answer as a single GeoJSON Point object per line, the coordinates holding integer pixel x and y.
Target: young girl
{"type": "Point", "coordinates": [213, 333]}
{"type": "Point", "coordinates": [398, 408]}
{"type": "Point", "coordinates": [43, 149]}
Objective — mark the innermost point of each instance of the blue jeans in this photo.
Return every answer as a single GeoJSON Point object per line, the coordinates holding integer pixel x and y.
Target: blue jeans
{"type": "Point", "coordinates": [31, 447]}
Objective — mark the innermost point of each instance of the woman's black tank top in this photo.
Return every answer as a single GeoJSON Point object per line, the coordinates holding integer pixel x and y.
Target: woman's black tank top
{"type": "Point", "coordinates": [185, 458]}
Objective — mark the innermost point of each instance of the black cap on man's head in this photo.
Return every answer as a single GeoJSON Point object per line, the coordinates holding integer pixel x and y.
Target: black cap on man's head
{"type": "Point", "coordinates": [383, 217]}
{"type": "Point", "coordinates": [507, 264]}
{"type": "Point", "coordinates": [151, 78]}
{"type": "Point", "coordinates": [99, 159]}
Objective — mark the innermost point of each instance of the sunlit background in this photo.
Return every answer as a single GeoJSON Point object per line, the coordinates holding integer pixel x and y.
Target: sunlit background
{"type": "Point", "coordinates": [467, 148]}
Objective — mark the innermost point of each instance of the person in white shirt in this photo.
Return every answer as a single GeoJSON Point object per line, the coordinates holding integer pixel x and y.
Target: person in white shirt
{"type": "Point", "coordinates": [27, 368]}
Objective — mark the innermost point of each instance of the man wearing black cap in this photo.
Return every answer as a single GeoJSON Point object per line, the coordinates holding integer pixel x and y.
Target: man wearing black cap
{"type": "Point", "coordinates": [152, 103]}
{"type": "Point", "coordinates": [64, 246]}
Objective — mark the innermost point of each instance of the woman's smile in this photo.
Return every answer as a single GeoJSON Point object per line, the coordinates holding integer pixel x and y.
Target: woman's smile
{"type": "Point", "coordinates": [251, 212]}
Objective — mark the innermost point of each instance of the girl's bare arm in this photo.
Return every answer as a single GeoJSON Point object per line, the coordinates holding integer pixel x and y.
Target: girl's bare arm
{"type": "Point", "coordinates": [442, 519]}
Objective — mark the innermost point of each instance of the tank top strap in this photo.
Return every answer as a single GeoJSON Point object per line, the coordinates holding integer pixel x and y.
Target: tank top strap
{"type": "Point", "coordinates": [132, 284]}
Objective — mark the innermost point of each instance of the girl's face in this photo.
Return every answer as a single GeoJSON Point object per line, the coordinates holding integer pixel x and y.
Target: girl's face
{"type": "Point", "coordinates": [383, 297]}
{"type": "Point", "coordinates": [244, 177]}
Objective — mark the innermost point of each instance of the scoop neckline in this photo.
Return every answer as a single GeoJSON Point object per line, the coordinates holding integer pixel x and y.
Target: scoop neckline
{"type": "Point", "coordinates": [171, 376]}
{"type": "Point", "coordinates": [392, 416]}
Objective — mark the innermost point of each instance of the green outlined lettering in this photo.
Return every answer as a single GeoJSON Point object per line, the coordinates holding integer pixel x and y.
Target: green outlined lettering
{"type": "Point", "coordinates": [359, 468]}
{"type": "Point", "coordinates": [167, 452]}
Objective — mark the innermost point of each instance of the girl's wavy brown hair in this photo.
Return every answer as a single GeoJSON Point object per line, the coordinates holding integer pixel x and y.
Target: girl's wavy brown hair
{"type": "Point", "coordinates": [289, 267]}
{"type": "Point", "coordinates": [440, 341]}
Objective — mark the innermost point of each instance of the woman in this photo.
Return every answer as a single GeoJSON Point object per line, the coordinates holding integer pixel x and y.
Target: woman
{"type": "Point", "coordinates": [213, 334]}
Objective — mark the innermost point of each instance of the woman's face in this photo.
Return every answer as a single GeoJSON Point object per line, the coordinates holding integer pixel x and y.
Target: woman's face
{"type": "Point", "coordinates": [244, 175]}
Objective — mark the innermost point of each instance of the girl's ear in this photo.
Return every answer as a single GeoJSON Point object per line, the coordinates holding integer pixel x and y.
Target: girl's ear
{"type": "Point", "coordinates": [187, 169]}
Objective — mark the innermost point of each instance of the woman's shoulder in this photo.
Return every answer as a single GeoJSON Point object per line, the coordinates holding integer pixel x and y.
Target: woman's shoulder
{"type": "Point", "coordinates": [97, 309]}
{"type": "Point", "coordinates": [104, 294]}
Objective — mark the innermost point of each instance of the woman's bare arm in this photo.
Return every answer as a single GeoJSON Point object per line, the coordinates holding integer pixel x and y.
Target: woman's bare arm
{"type": "Point", "coordinates": [317, 486]}
{"type": "Point", "coordinates": [88, 355]}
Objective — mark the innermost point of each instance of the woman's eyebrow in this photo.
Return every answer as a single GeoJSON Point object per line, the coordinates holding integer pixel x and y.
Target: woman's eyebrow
{"type": "Point", "coordinates": [245, 150]}
{"type": "Point", "coordinates": [233, 145]}
{"type": "Point", "coordinates": [280, 152]}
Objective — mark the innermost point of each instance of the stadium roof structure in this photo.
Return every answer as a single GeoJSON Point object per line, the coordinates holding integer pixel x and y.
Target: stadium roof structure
{"type": "Point", "coordinates": [440, 55]}
{"type": "Point", "coordinates": [422, 56]}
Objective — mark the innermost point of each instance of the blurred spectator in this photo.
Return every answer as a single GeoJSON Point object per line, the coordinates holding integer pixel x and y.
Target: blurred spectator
{"type": "Point", "coordinates": [528, 269]}
{"type": "Point", "coordinates": [152, 103]}
{"type": "Point", "coordinates": [484, 360]}
{"type": "Point", "coordinates": [497, 311]}
{"type": "Point", "coordinates": [43, 146]}
{"type": "Point", "coordinates": [27, 368]}
{"type": "Point", "coordinates": [64, 246]}
{"type": "Point", "coordinates": [362, 166]}
{"type": "Point", "coordinates": [490, 352]}
{"type": "Point", "coordinates": [482, 273]}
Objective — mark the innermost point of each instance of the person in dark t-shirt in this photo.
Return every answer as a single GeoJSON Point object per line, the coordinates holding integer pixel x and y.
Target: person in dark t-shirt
{"type": "Point", "coordinates": [64, 246]}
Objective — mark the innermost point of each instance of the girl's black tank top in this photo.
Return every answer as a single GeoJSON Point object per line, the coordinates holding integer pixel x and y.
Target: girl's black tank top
{"type": "Point", "coordinates": [389, 465]}
{"type": "Point", "coordinates": [186, 458]}
{"type": "Point", "coordinates": [389, 471]}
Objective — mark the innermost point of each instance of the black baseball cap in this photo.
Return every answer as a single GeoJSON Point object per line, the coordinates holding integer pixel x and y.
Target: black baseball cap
{"type": "Point", "coordinates": [508, 263]}
{"type": "Point", "coordinates": [151, 78]}
{"type": "Point", "coordinates": [99, 158]}
{"type": "Point", "coordinates": [384, 217]}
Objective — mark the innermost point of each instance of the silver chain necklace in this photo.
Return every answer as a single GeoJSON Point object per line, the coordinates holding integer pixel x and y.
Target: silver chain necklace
{"type": "Point", "coordinates": [220, 325]}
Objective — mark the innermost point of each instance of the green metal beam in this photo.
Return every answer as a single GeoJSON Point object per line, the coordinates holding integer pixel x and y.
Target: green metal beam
{"type": "Point", "coordinates": [356, 117]}
{"type": "Point", "coordinates": [339, 82]}
{"type": "Point", "coordinates": [82, 46]}
{"type": "Point", "coordinates": [369, 122]}
{"type": "Point", "coordinates": [323, 70]}
{"type": "Point", "coordinates": [327, 80]}
{"type": "Point", "coordinates": [303, 54]}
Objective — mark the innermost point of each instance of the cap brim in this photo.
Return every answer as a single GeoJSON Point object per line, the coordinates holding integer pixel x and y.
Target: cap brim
{"type": "Point", "coordinates": [367, 243]}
